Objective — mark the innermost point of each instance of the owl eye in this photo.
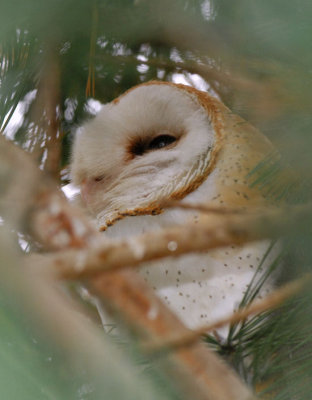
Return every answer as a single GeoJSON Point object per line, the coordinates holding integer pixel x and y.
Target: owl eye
{"type": "Point", "coordinates": [161, 141]}
{"type": "Point", "coordinates": [98, 178]}
{"type": "Point", "coordinates": [139, 147]}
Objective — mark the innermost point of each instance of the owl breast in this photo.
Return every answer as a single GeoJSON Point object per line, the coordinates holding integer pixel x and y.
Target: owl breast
{"type": "Point", "coordinates": [200, 288]}
{"type": "Point", "coordinates": [203, 288]}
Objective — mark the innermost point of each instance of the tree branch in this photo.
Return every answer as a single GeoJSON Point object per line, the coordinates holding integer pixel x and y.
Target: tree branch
{"type": "Point", "coordinates": [272, 301]}
{"type": "Point", "coordinates": [196, 371]}
{"type": "Point", "coordinates": [208, 233]}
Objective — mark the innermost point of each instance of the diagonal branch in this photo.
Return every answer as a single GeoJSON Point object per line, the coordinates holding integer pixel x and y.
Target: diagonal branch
{"type": "Point", "coordinates": [272, 301]}
{"type": "Point", "coordinates": [196, 371]}
{"type": "Point", "coordinates": [219, 231]}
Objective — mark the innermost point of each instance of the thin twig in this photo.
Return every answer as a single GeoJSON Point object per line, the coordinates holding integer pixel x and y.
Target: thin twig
{"type": "Point", "coordinates": [207, 208]}
{"type": "Point", "coordinates": [272, 301]}
{"type": "Point", "coordinates": [219, 82]}
{"type": "Point", "coordinates": [90, 86]}
{"type": "Point", "coordinates": [50, 97]}
{"type": "Point", "coordinates": [45, 135]}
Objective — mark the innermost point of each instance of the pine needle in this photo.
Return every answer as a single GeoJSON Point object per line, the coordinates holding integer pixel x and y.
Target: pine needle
{"type": "Point", "coordinates": [272, 301]}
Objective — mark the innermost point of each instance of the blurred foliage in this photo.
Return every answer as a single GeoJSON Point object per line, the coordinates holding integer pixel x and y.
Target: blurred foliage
{"type": "Point", "coordinates": [255, 55]}
{"type": "Point", "coordinates": [33, 367]}
{"type": "Point", "coordinates": [40, 361]}
{"type": "Point", "coordinates": [31, 370]}
{"type": "Point", "coordinates": [272, 351]}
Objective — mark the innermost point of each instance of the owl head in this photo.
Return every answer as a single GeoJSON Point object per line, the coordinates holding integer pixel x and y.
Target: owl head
{"type": "Point", "coordinates": [161, 141]}
{"type": "Point", "coordinates": [158, 141]}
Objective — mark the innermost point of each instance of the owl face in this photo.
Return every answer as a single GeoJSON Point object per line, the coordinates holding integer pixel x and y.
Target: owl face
{"type": "Point", "coordinates": [155, 142]}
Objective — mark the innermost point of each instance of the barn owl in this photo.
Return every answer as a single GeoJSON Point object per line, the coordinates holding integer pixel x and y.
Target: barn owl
{"type": "Point", "coordinates": [162, 141]}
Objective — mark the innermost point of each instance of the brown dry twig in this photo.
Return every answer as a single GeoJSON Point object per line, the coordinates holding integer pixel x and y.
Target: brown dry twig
{"type": "Point", "coordinates": [274, 300]}
{"type": "Point", "coordinates": [222, 230]}
{"type": "Point", "coordinates": [206, 208]}
{"type": "Point", "coordinates": [196, 371]}
{"type": "Point", "coordinates": [44, 134]}
{"type": "Point", "coordinates": [90, 86]}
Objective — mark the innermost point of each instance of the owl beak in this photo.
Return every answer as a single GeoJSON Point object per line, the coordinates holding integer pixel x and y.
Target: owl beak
{"type": "Point", "coordinates": [86, 190]}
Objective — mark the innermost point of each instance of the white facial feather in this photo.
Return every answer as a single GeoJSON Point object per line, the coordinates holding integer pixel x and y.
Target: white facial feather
{"type": "Point", "coordinates": [198, 287]}
{"type": "Point", "coordinates": [136, 115]}
{"type": "Point", "coordinates": [149, 110]}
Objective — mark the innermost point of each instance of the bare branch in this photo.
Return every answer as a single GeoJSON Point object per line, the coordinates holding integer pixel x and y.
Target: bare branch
{"type": "Point", "coordinates": [199, 371]}
{"type": "Point", "coordinates": [49, 95]}
{"type": "Point", "coordinates": [196, 371]}
{"type": "Point", "coordinates": [208, 233]}
{"type": "Point", "coordinates": [206, 208]}
{"type": "Point", "coordinates": [45, 133]}
{"type": "Point", "coordinates": [90, 86]}
{"type": "Point", "coordinates": [272, 301]}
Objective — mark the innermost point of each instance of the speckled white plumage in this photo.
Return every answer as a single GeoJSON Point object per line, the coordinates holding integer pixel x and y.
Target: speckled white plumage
{"type": "Point", "coordinates": [208, 163]}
